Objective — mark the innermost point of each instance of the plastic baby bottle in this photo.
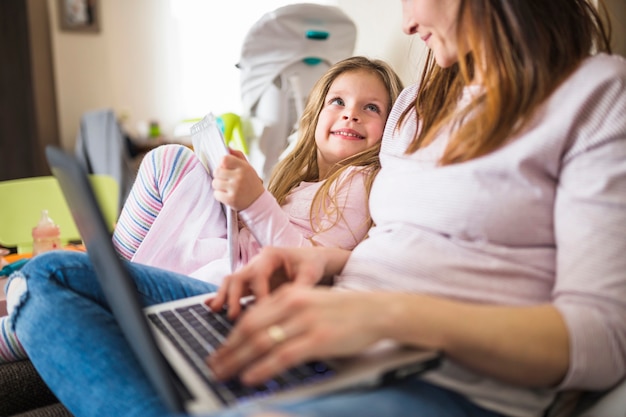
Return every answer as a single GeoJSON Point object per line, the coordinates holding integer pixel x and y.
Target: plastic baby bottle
{"type": "Point", "coordinates": [46, 235]}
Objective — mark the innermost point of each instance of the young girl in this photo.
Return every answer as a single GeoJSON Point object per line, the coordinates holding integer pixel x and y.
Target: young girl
{"type": "Point", "coordinates": [317, 195]}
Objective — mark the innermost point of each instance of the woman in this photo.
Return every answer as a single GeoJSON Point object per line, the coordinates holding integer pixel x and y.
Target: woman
{"type": "Point", "coordinates": [499, 239]}
{"type": "Point", "coordinates": [500, 217]}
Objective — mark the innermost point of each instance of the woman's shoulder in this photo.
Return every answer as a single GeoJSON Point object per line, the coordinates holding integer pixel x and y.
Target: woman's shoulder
{"type": "Point", "coordinates": [406, 96]}
{"type": "Point", "coordinates": [599, 80]}
{"type": "Point", "coordinates": [404, 101]}
{"type": "Point", "coordinates": [605, 64]}
{"type": "Point", "coordinates": [590, 104]}
{"type": "Point", "coordinates": [600, 69]}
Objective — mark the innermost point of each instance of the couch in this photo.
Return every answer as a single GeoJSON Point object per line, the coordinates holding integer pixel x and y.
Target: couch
{"type": "Point", "coordinates": [24, 394]}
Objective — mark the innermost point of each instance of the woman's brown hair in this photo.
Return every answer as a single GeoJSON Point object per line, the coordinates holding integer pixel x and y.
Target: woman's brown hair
{"type": "Point", "coordinates": [522, 49]}
{"type": "Point", "coordinates": [301, 163]}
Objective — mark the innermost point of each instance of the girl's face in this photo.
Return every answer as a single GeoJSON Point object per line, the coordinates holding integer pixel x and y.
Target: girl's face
{"type": "Point", "coordinates": [352, 118]}
{"type": "Point", "coordinates": [435, 22]}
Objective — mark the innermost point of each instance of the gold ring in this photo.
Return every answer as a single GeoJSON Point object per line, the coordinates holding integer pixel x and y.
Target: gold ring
{"type": "Point", "coordinates": [276, 333]}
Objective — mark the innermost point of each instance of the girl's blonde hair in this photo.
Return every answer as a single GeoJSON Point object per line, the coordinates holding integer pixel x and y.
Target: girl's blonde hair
{"type": "Point", "coordinates": [526, 48]}
{"type": "Point", "coordinates": [301, 163]}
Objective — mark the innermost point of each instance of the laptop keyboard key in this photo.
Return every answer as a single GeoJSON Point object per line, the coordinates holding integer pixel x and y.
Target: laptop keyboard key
{"type": "Point", "coordinates": [197, 332]}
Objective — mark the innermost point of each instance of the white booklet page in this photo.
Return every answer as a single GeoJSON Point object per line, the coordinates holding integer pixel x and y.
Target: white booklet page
{"type": "Point", "coordinates": [210, 147]}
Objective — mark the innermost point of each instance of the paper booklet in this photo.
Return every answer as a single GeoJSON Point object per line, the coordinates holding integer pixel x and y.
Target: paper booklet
{"type": "Point", "coordinates": [210, 147]}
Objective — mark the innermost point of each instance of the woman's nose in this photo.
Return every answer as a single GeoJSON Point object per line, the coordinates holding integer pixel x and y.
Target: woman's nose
{"type": "Point", "coordinates": [409, 26]}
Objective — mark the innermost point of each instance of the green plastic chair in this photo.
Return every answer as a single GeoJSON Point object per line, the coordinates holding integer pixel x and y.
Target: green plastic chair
{"type": "Point", "coordinates": [24, 199]}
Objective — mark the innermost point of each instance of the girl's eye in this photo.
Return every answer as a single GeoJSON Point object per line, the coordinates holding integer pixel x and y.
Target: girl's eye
{"type": "Point", "coordinates": [337, 100]}
{"type": "Point", "coordinates": [373, 107]}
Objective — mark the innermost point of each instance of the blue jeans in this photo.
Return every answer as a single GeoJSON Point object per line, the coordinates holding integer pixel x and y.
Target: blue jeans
{"type": "Point", "coordinates": [65, 325]}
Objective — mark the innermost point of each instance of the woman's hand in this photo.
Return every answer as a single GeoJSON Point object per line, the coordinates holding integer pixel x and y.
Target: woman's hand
{"type": "Point", "coordinates": [298, 324]}
{"type": "Point", "coordinates": [236, 183]}
{"type": "Point", "coordinates": [524, 345]}
{"type": "Point", "coordinates": [274, 267]}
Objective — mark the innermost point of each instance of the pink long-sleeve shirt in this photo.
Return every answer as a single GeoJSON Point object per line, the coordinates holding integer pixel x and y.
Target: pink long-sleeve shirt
{"type": "Point", "coordinates": [189, 234]}
{"type": "Point", "coordinates": [541, 220]}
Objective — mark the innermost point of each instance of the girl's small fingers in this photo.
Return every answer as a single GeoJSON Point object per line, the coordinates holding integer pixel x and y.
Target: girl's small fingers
{"type": "Point", "coordinates": [219, 172]}
{"type": "Point", "coordinates": [237, 154]}
{"type": "Point", "coordinates": [219, 184]}
{"type": "Point", "coordinates": [224, 163]}
{"type": "Point", "coordinates": [222, 197]}
{"type": "Point", "coordinates": [232, 161]}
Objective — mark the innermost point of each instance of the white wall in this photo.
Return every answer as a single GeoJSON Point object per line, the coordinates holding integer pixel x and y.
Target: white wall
{"type": "Point", "coordinates": [131, 64]}
{"type": "Point", "coordinates": [380, 35]}
{"type": "Point", "coordinates": [124, 66]}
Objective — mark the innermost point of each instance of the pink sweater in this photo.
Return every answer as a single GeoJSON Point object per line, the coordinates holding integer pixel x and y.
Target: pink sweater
{"type": "Point", "coordinates": [542, 220]}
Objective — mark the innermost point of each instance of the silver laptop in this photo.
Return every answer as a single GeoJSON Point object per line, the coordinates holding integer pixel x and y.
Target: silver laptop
{"type": "Point", "coordinates": [171, 340]}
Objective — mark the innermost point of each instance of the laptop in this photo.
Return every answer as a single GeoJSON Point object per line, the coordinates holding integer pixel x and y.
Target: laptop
{"type": "Point", "coordinates": [171, 340]}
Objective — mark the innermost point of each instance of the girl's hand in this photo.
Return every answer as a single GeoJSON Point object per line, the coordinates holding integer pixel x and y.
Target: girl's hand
{"type": "Point", "coordinates": [297, 324]}
{"type": "Point", "coordinates": [272, 268]}
{"type": "Point", "coordinates": [236, 183]}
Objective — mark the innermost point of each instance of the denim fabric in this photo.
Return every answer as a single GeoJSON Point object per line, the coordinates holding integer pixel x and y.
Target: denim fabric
{"type": "Point", "coordinates": [411, 398]}
{"type": "Point", "coordinates": [63, 321]}
{"type": "Point", "coordinates": [75, 343]}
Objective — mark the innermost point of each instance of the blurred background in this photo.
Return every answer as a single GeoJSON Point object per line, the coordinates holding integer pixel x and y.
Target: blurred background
{"type": "Point", "coordinates": [161, 61]}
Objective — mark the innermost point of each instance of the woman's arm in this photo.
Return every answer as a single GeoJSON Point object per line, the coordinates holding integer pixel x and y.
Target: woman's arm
{"type": "Point", "coordinates": [276, 266]}
{"type": "Point", "coordinates": [520, 345]}
{"type": "Point", "coordinates": [523, 345]}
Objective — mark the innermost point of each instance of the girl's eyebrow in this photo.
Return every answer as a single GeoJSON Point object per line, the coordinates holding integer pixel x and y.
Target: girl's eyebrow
{"type": "Point", "coordinates": [377, 101]}
{"type": "Point", "coordinates": [342, 92]}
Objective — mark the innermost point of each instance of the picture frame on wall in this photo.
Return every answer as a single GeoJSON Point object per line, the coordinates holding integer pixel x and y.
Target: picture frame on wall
{"type": "Point", "coordinates": [79, 15]}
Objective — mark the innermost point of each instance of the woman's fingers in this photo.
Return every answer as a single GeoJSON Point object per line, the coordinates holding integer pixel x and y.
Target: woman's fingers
{"type": "Point", "coordinates": [256, 333]}
{"type": "Point", "coordinates": [265, 273]}
{"type": "Point", "coordinates": [294, 325]}
{"type": "Point", "coordinates": [230, 294]}
{"type": "Point", "coordinates": [292, 352]}
{"type": "Point", "coordinates": [219, 300]}
{"type": "Point", "coordinates": [260, 336]}
{"type": "Point", "coordinates": [258, 278]}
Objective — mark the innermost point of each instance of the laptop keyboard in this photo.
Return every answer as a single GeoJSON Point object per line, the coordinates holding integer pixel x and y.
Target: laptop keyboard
{"type": "Point", "coordinates": [197, 332]}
